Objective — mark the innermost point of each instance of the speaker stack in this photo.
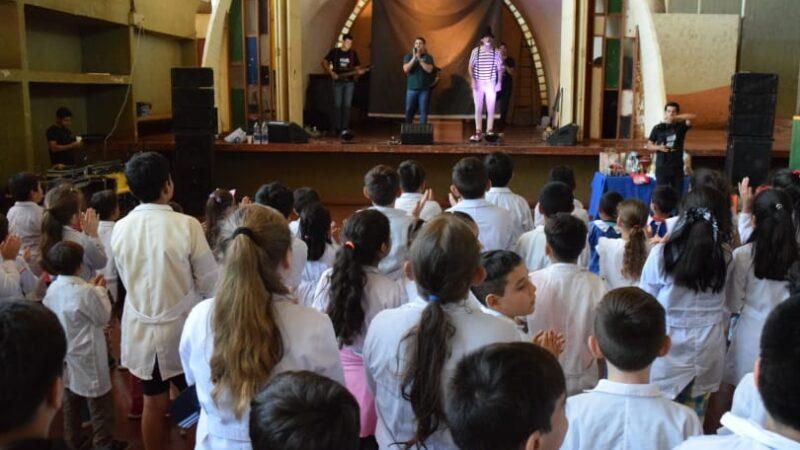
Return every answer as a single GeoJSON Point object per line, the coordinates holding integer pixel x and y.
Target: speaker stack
{"type": "Point", "coordinates": [194, 122]}
{"type": "Point", "coordinates": [751, 125]}
{"type": "Point", "coordinates": [416, 134]}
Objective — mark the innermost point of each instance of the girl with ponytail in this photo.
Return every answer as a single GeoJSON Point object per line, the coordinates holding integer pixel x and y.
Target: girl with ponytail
{"type": "Point", "coordinates": [687, 275]}
{"type": "Point", "coordinates": [352, 293]}
{"type": "Point", "coordinates": [63, 221]}
{"type": "Point", "coordinates": [315, 230]}
{"type": "Point", "coordinates": [232, 345]}
{"type": "Point", "coordinates": [411, 351]}
{"type": "Point", "coordinates": [759, 278]}
{"type": "Point", "coordinates": [621, 260]}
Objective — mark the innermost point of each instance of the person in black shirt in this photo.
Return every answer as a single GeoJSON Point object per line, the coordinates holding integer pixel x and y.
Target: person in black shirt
{"type": "Point", "coordinates": [667, 139]}
{"type": "Point", "coordinates": [342, 64]}
{"type": "Point", "coordinates": [63, 145]}
{"type": "Point", "coordinates": [504, 97]}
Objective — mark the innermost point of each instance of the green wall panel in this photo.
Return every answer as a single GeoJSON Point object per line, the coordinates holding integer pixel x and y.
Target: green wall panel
{"type": "Point", "coordinates": [612, 63]}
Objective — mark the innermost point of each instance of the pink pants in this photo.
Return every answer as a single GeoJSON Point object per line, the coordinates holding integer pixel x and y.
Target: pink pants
{"type": "Point", "coordinates": [484, 89]}
{"type": "Point", "coordinates": [355, 378]}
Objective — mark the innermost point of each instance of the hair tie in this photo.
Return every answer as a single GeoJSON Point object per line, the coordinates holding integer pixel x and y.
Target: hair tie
{"type": "Point", "coordinates": [245, 231]}
{"type": "Point", "coordinates": [350, 245]}
{"type": "Point", "coordinates": [779, 206]}
{"type": "Point", "coordinates": [432, 298]}
{"type": "Point", "coordinates": [696, 214]}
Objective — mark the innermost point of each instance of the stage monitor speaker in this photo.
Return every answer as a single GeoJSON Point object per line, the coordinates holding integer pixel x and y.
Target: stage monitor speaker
{"type": "Point", "coordinates": [416, 134]}
{"type": "Point", "coordinates": [288, 132]}
{"type": "Point", "coordinates": [748, 157]}
{"type": "Point", "coordinates": [192, 77]}
{"type": "Point", "coordinates": [564, 136]}
{"type": "Point", "coordinates": [193, 171]}
{"type": "Point", "coordinates": [754, 83]}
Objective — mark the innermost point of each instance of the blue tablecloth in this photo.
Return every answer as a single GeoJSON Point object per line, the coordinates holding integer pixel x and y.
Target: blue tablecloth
{"type": "Point", "coordinates": [625, 186]}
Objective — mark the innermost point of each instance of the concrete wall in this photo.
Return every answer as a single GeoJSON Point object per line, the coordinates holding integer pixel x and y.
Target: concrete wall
{"type": "Point", "coordinates": [708, 42]}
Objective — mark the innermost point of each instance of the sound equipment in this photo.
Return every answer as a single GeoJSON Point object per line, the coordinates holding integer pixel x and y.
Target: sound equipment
{"type": "Point", "coordinates": [192, 77]}
{"type": "Point", "coordinates": [750, 126]}
{"type": "Point", "coordinates": [564, 136]}
{"type": "Point", "coordinates": [289, 132]}
{"type": "Point", "coordinates": [748, 157]}
{"type": "Point", "coordinates": [416, 134]}
{"type": "Point", "coordinates": [193, 100]}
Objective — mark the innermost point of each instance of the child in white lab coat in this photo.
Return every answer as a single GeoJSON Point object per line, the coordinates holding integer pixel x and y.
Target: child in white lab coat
{"type": "Point", "coordinates": [621, 260]}
{"type": "Point", "coordinates": [382, 187]}
{"type": "Point", "coordinates": [565, 175]}
{"type": "Point", "coordinates": [758, 278]}
{"type": "Point", "coordinates": [604, 227]}
{"type": "Point", "coordinates": [106, 204]}
{"type": "Point", "coordinates": [777, 381]}
{"type": "Point", "coordinates": [410, 352]}
{"type": "Point", "coordinates": [63, 220]}
{"type": "Point", "coordinates": [304, 411]}
{"type": "Point", "coordinates": [84, 310]}
{"type": "Point", "coordinates": [412, 185]}
{"type": "Point", "coordinates": [303, 198]}
{"type": "Point", "coordinates": [17, 281]}
{"type": "Point", "coordinates": [470, 183]}
{"type": "Point", "coordinates": [507, 396]}
{"type": "Point", "coordinates": [500, 169]}
{"type": "Point", "coordinates": [25, 217]}
{"type": "Point", "coordinates": [566, 297]}
{"type": "Point", "coordinates": [687, 275]}
{"type": "Point", "coordinates": [555, 197]}
{"type": "Point", "coordinates": [278, 196]}
{"type": "Point", "coordinates": [315, 231]}
{"type": "Point", "coordinates": [352, 293]}
{"type": "Point", "coordinates": [233, 344]}
{"type": "Point", "coordinates": [626, 410]}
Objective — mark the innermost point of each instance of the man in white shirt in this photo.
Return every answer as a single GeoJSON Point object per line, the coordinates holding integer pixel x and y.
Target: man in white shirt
{"type": "Point", "coordinates": [412, 185]}
{"type": "Point", "coordinates": [470, 183]}
{"type": "Point", "coordinates": [776, 376]}
{"type": "Point", "coordinates": [626, 410]}
{"type": "Point", "coordinates": [500, 169]}
{"type": "Point", "coordinates": [278, 196]}
{"type": "Point", "coordinates": [164, 262]}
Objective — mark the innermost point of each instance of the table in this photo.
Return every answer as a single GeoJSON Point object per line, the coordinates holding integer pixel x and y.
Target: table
{"type": "Point", "coordinates": [602, 183]}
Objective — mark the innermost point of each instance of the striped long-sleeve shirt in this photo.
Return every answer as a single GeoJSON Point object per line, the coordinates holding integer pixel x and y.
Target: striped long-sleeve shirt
{"type": "Point", "coordinates": [485, 64]}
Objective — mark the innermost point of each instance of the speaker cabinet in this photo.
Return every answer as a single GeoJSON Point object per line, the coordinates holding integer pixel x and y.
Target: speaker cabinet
{"type": "Point", "coordinates": [748, 157]}
{"type": "Point", "coordinates": [193, 171]}
{"type": "Point", "coordinates": [288, 132]}
{"type": "Point", "coordinates": [564, 136]}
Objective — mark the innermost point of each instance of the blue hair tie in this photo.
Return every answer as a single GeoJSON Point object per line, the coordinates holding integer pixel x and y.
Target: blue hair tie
{"type": "Point", "coordinates": [432, 298]}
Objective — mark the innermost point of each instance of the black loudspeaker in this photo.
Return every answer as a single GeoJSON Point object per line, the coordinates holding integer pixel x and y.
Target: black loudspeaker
{"type": "Point", "coordinates": [748, 157]}
{"type": "Point", "coordinates": [289, 132]}
{"type": "Point", "coordinates": [754, 83]}
{"type": "Point", "coordinates": [192, 77]}
{"type": "Point", "coordinates": [193, 109]}
{"type": "Point", "coordinates": [194, 120]}
{"type": "Point", "coordinates": [192, 98]}
{"type": "Point", "coordinates": [752, 104]}
{"type": "Point", "coordinates": [564, 136]}
{"type": "Point", "coordinates": [193, 171]}
{"type": "Point", "coordinates": [416, 134]}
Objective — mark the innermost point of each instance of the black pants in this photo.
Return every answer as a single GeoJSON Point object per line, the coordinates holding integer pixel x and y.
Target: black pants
{"type": "Point", "coordinates": [672, 176]}
{"type": "Point", "coordinates": [504, 98]}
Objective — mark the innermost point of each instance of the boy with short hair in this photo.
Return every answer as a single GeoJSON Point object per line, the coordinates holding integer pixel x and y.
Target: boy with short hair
{"type": "Point", "coordinates": [626, 410]}
{"type": "Point", "coordinates": [25, 217]}
{"type": "Point", "coordinates": [412, 185]}
{"type": "Point", "coordinates": [470, 183]}
{"type": "Point", "coordinates": [565, 175]}
{"type": "Point", "coordinates": [304, 411]}
{"type": "Point", "coordinates": [106, 204]}
{"type": "Point", "coordinates": [507, 396]}
{"type": "Point", "coordinates": [382, 187]}
{"type": "Point", "coordinates": [664, 204]}
{"type": "Point", "coordinates": [566, 297]}
{"type": "Point", "coordinates": [32, 350]}
{"type": "Point", "coordinates": [303, 197]}
{"type": "Point", "coordinates": [500, 169]}
{"type": "Point", "coordinates": [605, 226]}
{"type": "Point", "coordinates": [776, 376]}
{"type": "Point", "coordinates": [281, 198]}
{"type": "Point", "coordinates": [84, 310]}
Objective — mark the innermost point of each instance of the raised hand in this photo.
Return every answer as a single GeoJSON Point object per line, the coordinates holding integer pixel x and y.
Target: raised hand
{"type": "Point", "coordinates": [99, 281]}
{"type": "Point", "coordinates": [551, 341]}
{"type": "Point", "coordinates": [335, 232]}
{"type": "Point", "coordinates": [9, 249]}
{"type": "Point", "coordinates": [746, 195]}
{"type": "Point", "coordinates": [245, 201]}
{"type": "Point", "coordinates": [427, 196]}
{"type": "Point", "coordinates": [90, 222]}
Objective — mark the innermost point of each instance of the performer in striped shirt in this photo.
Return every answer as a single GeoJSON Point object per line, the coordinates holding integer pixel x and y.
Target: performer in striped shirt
{"type": "Point", "coordinates": [485, 73]}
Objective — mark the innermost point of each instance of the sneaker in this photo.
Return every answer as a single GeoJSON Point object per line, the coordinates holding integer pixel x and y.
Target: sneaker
{"type": "Point", "coordinates": [477, 137]}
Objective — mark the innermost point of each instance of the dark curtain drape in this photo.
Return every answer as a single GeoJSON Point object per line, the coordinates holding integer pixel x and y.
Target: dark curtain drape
{"type": "Point", "coordinates": [452, 28]}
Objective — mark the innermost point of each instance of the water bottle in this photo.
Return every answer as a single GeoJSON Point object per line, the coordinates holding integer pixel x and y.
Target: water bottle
{"type": "Point", "coordinates": [264, 133]}
{"type": "Point", "coordinates": [256, 133]}
{"type": "Point", "coordinates": [632, 163]}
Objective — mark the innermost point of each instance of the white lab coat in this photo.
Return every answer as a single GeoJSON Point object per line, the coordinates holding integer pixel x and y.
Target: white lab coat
{"type": "Point", "coordinates": [312, 273]}
{"type": "Point", "coordinates": [308, 344]}
{"type": "Point", "coordinates": [747, 403]}
{"type": "Point", "coordinates": [696, 324]}
{"type": "Point", "coordinates": [532, 248]}
{"type": "Point", "coordinates": [522, 336]}
{"type": "Point", "coordinates": [746, 435]}
{"type": "Point", "coordinates": [497, 231]}
{"type": "Point", "coordinates": [25, 221]}
{"type": "Point", "coordinates": [755, 298]}
{"type": "Point", "coordinates": [611, 253]}
{"type": "Point", "coordinates": [627, 416]}
{"type": "Point", "coordinates": [83, 310]}
{"type": "Point", "coordinates": [745, 225]}
{"type": "Point", "coordinates": [408, 201]}
{"type": "Point", "coordinates": [399, 224]}
{"type": "Point", "coordinates": [163, 260]}
{"type": "Point", "coordinates": [380, 292]}
{"type": "Point", "coordinates": [294, 228]}
{"type": "Point", "coordinates": [94, 254]}
{"type": "Point", "coordinates": [384, 343]}
{"type": "Point", "coordinates": [577, 211]}
{"type": "Point", "coordinates": [17, 281]}
{"type": "Point", "coordinates": [515, 204]}
{"type": "Point", "coordinates": [293, 277]}
{"type": "Point", "coordinates": [104, 230]}
{"type": "Point", "coordinates": [566, 298]}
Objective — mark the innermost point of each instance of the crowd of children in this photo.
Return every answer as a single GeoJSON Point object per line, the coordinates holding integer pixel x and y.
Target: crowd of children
{"type": "Point", "coordinates": [491, 325]}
